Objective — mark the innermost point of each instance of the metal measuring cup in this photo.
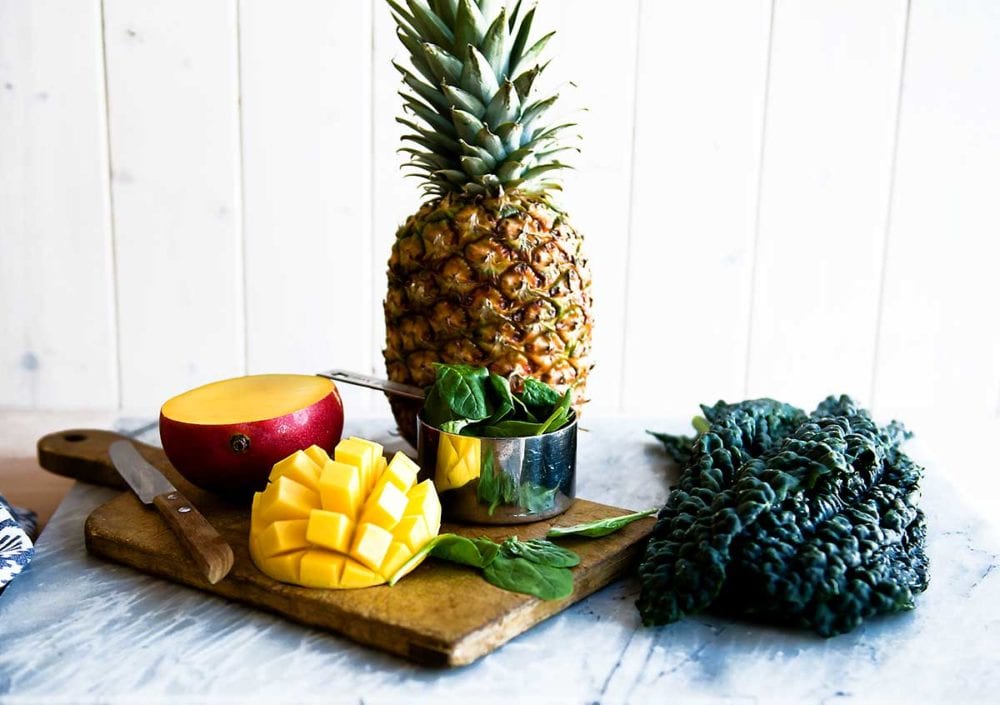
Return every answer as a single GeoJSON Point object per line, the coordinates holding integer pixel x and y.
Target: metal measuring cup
{"type": "Point", "coordinates": [489, 480]}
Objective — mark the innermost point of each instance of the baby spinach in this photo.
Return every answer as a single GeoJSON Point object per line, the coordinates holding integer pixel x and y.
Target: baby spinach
{"type": "Point", "coordinates": [457, 393]}
{"type": "Point", "coordinates": [475, 402]}
{"type": "Point", "coordinates": [458, 549]}
{"type": "Point", "coordinates": [534, 567]}
{"type": "Point", "coordinates": [521, 575]}
{"type": "Point", "coordinates": [540, 551]}
{"type": "Point", "coordinates": [538, 394]}
{"type": "Point", "coordinates": [600, 527]}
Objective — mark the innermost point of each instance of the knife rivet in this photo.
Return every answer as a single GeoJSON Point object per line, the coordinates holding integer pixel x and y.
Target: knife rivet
{"type": "Point", "coordinates": [240, 443]}
{"type": "Point", "coordinates": [172, 495]}
{"type": "Point", "coordinates": [184, 510]}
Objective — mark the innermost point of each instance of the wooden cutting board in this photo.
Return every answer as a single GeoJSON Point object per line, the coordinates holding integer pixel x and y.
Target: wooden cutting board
{"type": "Point", "coordinates": [439, 615]}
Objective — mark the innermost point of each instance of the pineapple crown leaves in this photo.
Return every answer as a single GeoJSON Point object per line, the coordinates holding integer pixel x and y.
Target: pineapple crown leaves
{"type": "Point", "coordinates": [475, 124]}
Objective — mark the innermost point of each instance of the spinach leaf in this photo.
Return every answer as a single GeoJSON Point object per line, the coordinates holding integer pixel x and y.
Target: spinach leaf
{"type": "Point", "coordinates": [559, 416]}
{"type": "Point", "coordinates": [601, 527]}
{"type": "Point", "coordinates": [488, 549]}
{"type": "Point", "coordinates": [540, 551]}
{"type": "Point", "coordinates": [511, 428]}
{"type": "Point", "coordinates": [459, 549]}
{"type": "Point", "coordinates": [538, 394]}
{"type": "Point", "coordinates": [458, 393]}
{"type": "Point", "coordinates": [498, 392]}
{"type": "Point", "coordinates": [521, 575]}
{"type": "Point", "coordinates": [455, 425]}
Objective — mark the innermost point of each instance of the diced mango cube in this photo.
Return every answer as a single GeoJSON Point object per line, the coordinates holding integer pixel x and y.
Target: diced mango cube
{"type": "Point", "coordinates": [284, 567]}
{"type": "Point", "coordinates": [299, 467]}
{"type": "Point", "coordinates": [412, 531]}
{"type": "Point", "coordinates": [385, 506]}
{"type": "Point", "coordinates": [359, 454]}
{"type": "Point", "coordinates": [321, 569]}
{"type": "Point", "coordinates": [340, 488]}
{"type": "Point", "coordinates": [317, 455]}
{"type": "Point", "coordinates": [423, 501]}
{"type": "Point", "coordinates": [282, 537]}
{"type": "Point", "coordinates": [256, 522]}
{"type": "Point", "coordinates": [402, 472]}
{"type": "Point", "coordinates": [395, 557]}
{"type": "Point", "coordinates": [330, 530]}
{"type": "Point", "coordinates": [377, 449]}
{"type": "Point", "coordinates": [370, 545]}
{"type": "Point", "coordinates": [287, 499]}
{"type": "Point", "coordinates": [357, 576]}
{"type": "Point", "coordinates": [380, 465]}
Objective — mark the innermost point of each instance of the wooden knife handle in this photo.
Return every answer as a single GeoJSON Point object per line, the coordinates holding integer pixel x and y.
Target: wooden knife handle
{"type": "Point", "coordinates": [203, 543]}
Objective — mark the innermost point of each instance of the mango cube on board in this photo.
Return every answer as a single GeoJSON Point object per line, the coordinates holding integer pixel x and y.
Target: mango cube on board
{"type": "Point", "coordinates": [340, 488]}
{"type": "Point", "coordinates": [284, 567]}
{"type": "Point", "coordinates": [320, 569]}
{"type": "Point", "coordinates": [287, 499]}
{"type": "Point", "coordinates": [395, 557]}
{"type": "Point", "coordinates": [412, 531]}
{"type": "Point", "coordinates": [317, 455]}
{"type": "Point", "coordinates": [299, 467]}
{"type": "Point", "coordinates": [423, 501]}
{"type": "Point", "coordinates": [357, 576]}
{"type": "Point", "coordinates": [385, 506]}
{"type": "Point", "coordinates": [361, 455]}
{"type": "Point", "coordinates": [370, 545]}
{"type": "Point", "coordinates": [282, 537]}
{"type": "Point", "coordinates": [331, 530]}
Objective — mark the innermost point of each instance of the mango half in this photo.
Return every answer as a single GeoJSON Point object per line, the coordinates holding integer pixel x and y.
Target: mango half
{"type": "Point", "coordinates": [350, 521]}
{"type": "Point", "coordinates": [226, 436]}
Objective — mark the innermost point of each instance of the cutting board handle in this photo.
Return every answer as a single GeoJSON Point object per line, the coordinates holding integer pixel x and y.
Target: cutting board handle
{"type": "Point", "coordinates": [82, 454]}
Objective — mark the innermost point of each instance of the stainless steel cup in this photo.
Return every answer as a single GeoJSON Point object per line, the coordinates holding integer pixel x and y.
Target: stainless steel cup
{"type": "Point", "coordinates": [499, 480]}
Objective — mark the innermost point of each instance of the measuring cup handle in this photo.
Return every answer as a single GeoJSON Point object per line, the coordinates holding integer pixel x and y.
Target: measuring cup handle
{"type": "Point", "coordinates": [383, 385]}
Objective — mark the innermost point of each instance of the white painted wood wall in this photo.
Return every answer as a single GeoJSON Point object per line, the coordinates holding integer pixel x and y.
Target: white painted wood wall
{"type": "Point", "coordinates": [785, 198]}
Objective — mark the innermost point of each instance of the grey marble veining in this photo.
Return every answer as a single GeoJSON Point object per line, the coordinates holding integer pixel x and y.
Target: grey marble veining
{"type": "Point", "coordinates": [76, 629]}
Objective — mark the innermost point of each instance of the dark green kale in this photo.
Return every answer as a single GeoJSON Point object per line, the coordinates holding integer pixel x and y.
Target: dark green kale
{"type": "Point", "coordinates": [804, 520]}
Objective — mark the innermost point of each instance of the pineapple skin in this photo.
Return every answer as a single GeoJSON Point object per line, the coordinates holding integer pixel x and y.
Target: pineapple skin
{"type": "Point", "coordinates": [495, 281]}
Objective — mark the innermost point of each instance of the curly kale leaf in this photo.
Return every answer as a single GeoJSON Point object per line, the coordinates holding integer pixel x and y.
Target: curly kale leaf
{"type": "Point", "coordinates": [804, 520]}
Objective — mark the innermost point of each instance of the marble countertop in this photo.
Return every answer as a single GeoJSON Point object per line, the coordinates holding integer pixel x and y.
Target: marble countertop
{"type": "Point", "coordinates": [74, 629]}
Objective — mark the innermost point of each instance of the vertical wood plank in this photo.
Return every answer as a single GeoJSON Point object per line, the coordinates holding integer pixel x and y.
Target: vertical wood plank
{"type": "Point", "coordinates": [825, 183]}
{"type": "Point", "coordinates": [597, 191]}
{"type": "Point", "coordinates": [175, 153]}
{"type": "Point", "coordinates": [57, 316]}
{"type": "Point", "coordinates": [701, 93]}
{"type": "Point", "coordinates": [938, 364]}
{"type": "Point", "coordinates": [306, 100]}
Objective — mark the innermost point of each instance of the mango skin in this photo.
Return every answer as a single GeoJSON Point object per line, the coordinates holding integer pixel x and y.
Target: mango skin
{"type": "Point", "coordinates": [205, 456]}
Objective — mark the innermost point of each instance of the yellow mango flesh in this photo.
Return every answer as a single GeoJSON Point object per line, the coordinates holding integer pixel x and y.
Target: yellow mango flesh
{"type": "Point", "coordinates": [350, 522]}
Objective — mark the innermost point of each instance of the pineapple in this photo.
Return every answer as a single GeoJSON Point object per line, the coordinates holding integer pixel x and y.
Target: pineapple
{"type": "Point", "coordinates": [489, 270]}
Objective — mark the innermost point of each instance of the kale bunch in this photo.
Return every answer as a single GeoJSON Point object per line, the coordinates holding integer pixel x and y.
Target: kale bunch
{"type": "Point", "coordinates": [807, 520]}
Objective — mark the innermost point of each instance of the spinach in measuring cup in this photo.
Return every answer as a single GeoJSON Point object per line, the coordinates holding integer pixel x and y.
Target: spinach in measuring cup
{"type": "Point", "coordinates": [472, 401]}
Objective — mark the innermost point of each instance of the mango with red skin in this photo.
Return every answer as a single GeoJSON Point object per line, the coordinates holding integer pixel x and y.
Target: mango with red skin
{"type": "Point", "coordinates": [236, 458]}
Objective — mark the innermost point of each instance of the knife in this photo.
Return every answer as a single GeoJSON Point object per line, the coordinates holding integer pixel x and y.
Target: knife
{"type": "Point", "coordinates": [209, 550]}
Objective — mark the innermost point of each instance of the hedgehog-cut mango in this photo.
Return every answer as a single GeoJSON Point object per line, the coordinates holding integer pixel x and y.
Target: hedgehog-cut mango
{"type": "Point", "coordinates": [350, 521]}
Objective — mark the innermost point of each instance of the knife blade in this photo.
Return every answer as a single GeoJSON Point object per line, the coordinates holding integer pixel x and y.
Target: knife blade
{"type": "Point", "coordinates": [211, 553]}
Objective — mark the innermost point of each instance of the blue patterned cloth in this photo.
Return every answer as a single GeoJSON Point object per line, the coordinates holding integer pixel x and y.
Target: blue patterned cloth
{"type": "Point", "coordinates": [17, 527]}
